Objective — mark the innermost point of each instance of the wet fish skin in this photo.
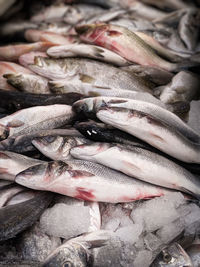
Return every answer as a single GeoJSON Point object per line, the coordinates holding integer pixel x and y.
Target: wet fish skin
{"type": "Point", "coordinates": [28, 58]}
{"type": "Point", "coordinates": [9, 192]}
{"type": "Point", "coordinates": [37, 118]}
{"type": "Point", "coordinates": [23, 143]}
{"type": "Point", "coordinates": [124, 42]}
{"type": "Point", "coordinates": [12, 163]}
{"type": "Point", "coordinates": [88, 51]}
{"type": "Point", "coordinates": [130, 115]}
{"type": "Point", "coordinates": [13, 101]}
{"type": "Point", "coordinates": [4, 132]}
{"type": "Point", "coordinates": [88, 71]}
{"type": "Point", "coordinates": [172, 256]}
{"type": "Point", "coordinates": [77, 251]}
{"type": "Point", "coordinates": [194, 253]}
{"type": "Point", "coordinates": [58, 147]}
{"type": "Point", "coordinates": [21, 197]}
{"type": "Point", "coordinates": [139, 163]}
{"type": "Point", "coordinates": [86, 180]}
{"type": "Point", "coordinates": [18, 217]}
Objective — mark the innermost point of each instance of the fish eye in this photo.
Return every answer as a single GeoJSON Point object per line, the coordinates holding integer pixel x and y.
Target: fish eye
{"type": "Point", "coordinates": [67, 264]}
{"type": "Point", "coordinates": [167, 257]}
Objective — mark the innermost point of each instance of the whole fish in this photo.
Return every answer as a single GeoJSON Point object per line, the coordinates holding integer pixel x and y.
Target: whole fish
{"type": "Point", "coordinates": [139, 163]}
{"type": "Point", "coordinates": [88, 51]}
{"type": "Point", "coordinates": [194, 253]}
{"type": "Point", "coordinates": [58, 147]}
{"type": "Point", "coordinates": [88, 181]}
{"type": "Point", "coordinates": [13, 52]}
{"type": "Point", "coordinates": [30, 83]}
{"type": "Point", "coordinates": [100, 132]}
{"type": "Point", "coordinates": [16, 218]}
{"type": "Point", "coordinates": [149, 122]}
{"type": "Point", "coordinates": [88, 71]}
{"type": "Point", "coordinates": [33, 119]}
{"type": "Point", "coordinates": [77, 251]}
{"type": "Point", "coordinates": [11, 164]}
{"type": "Point", "coordinates": [172, 256]}
{"type": "Point", "coordinates": [23, 143]}
{"type": "Point", "coordinates": [13, 101]}
{"type": "Point", "coordinates": [123, 42]}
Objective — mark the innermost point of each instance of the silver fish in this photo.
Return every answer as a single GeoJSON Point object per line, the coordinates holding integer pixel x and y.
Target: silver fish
{"type": "Point", "coordinates": [88, 181]}
{"type": "Point", "coordinates": [88, 71]}
{"type": "Point", "coordinates": [37, 118]}
{"type": "Point", "coordinates": [88, 51]}
{"type": "Point", "coordinates": [139, 163]}
{"type": "Point", "coordinates": [149, 122]}
{"type": "Point", "coordinates": [194, 253]}
{"type": "Point", "coordinates": [8, 193]}
{"type": "Point", "coordinates": [12, 163]}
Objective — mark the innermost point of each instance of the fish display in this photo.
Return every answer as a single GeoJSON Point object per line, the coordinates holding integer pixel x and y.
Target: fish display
{"type": "Point", "coordinates": [99, 133]}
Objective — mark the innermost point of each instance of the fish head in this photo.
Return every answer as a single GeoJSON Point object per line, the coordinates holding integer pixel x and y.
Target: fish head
{"type": "Point", "coordinates": [14, 79]}
{"type": "Point", "coordinates": [87, 152]}
{"type": "Point", "coordinates": [41, 175]}
{"type": "Point", "coordinates": [91, 32]}
{"type": "Point", "coordinates": [68, 255]}
{"type": "Point", "coordinates": [173, 256]}
{"type": "Point", "coordinates": [4, 132]}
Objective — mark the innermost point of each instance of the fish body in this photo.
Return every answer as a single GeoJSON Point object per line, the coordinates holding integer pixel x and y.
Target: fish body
{"type": "Point", "coordinates": [123, 42]}
{"type": "Point", "coordinates": [12, 163]}
{"type": "Point", "coordinates": [149, 122]}
{"type": "Point", "coordinates": [8, 193]}
{"type": "Point", "coordinates": [18, 217]}
{"type": "Point", "coordinates": [88, 71]}
{"type": "Point", "coordinates": [194, 253]}
{"type": "Point", "coordinates": [35, 118]}
{"type": "Point", "coordinates": [88, 51]}
{"type": "Point", "coordinates": [139, 163]}
{"type": "Point", "coordinates": [28, 58]}
{"type": "Point", "coordinates": [88, 181]}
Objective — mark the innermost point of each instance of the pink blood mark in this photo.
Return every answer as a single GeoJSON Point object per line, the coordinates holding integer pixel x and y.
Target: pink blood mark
{"type": "Point", "coordinates": [84, 194]}
{"type": "Point", "coordinates": [80, 174]}
{"type": "Point", "coordinates": [4, 156]}
{"type": "Point", "coordinates": [3, 170]}
{"type": "Point", "coordinates": [141, 196]}
{"type": "Point", "coordinates": [114, 33]}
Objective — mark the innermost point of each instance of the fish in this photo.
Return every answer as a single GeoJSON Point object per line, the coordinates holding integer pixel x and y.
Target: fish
{"type": "Point", "coordinates": [12, 163]}
{"type": "Point", "coordinates": [100, 132]}
{"type": "Point", "coordinates": [58, 147]}
{"type": "Point", "coordinates": [172, 256]}
{"type": "Point", "coordinates": [22, 196]}
{"type": "Point", "coordinates": [96, 73]}
{"type": "Point", "coordinates": [183, 87]}
{"type": "Point", "coordinates": [106, 16]}
{"type": "Point", "coordinates": [28, 58]}
{"type": "Point", "coordinates": [78, 251]}
{"type": "Point", "coordinates": [53, 38]}
{"type": "Point", "coordinates": [8, 193]}
{"type": "Point", "coordinates": [13, 101]}
{"type": "Point", "coordinates": [4, 6]}
{"type": "Point", "coordinates": [4, 132]}
{"type": "Point", "coordinates": [170, 4]}
{"type": "Point", "coordinates": [13, 52]}
{"type": "Point", "coordinates": [149, 122]}
{"type": "Point", "coordinates": [30, 83]}
{"type": "Point", "coordinates": [87, 181]}
{"type": "Point", "coordinates": [139, 163]}
{"type": "Point", "coordinates": [16, 218]}
{"type": "Point", "coordinates": [88, 51]}
{"type": "Point", "coordinates": [193, 252]}
{"type": "Point", "coordinates": [123, 42]}
{"type": "Point", "coordinates": [23, 143]}
{"type": "Point", "coordinates": [37, 118]}
{"type": "Point", "coordinates": [4, 184]}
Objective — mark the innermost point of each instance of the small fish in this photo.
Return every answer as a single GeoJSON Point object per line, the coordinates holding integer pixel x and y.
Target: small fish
{"type": "Point", "coordinates": [88, 51]}
{"type": "Point", "coordinates": [78, 251]}
{"type": "Point", "coordinates": [194, 253]}
{"type": "Point", "coordinates": [58, 147]}
{"type": "Point", "coordinates": [88, 181]}
{"type": "Point", "coordinates": [96, 73]}
{"type": "Point", "coordinates": [123, 42]}
{"type": "Point", "coordinates": [33, 119]}
{"type": "Point", "coordinates": [149, 122]}
{"type": "Point", "coordinates": [173, 256]}
{"type": "Point", "coordinates": [139, 163]}
{"type": "Point", "coordinates": [11, 164]}
{"type": "Point", "coordinates": [16, 218]}
{"type": "Point", "coordinates": [13, 52]}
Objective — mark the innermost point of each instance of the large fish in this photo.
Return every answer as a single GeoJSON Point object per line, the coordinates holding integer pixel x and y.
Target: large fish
{"type": "Point", "coordinates": [88, 181]}
{"type": "Point", "coordinates": [149, 122]}
{"type": "Point", "coordinates": [88, 51]}
{"type": "Point", "coordinates": [16, 218]}
{"type": "Point", "coordinates": [88, 71]}
{"type": "Point", "coordinates": [11, 164]}
{"type": "Point", "coordinates": [139, 163]}
{"type": "Point", "coordinates": [33, 119]}
{"type": "Point", "coordinates": [124, 42]}
{"type": "Point", "coordinates": [58, 147]}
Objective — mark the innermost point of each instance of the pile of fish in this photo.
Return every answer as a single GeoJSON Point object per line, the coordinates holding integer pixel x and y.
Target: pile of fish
{"type": "Point", "coordinates": [99, 133]}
